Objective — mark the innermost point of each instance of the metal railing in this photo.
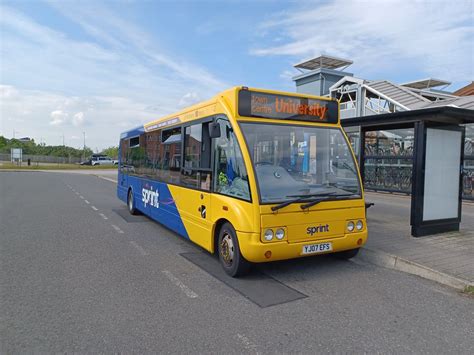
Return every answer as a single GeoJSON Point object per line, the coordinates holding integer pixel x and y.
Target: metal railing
{"type": "Point", "coordinates": [388, 173]}
{"type": "Point", "coordinates": [468, 178]}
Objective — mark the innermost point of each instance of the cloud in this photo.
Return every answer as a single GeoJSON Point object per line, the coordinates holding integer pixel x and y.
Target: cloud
{"type": "Point", "coordinates": [50, 115]}
{"type": "Point", "coordinates": [189, 99]}
{"type": "Point", "coordinates": [78, 119]}
{"type": "Point", "coordinates": [7, 91]}
{"type": "Point", "coordinates": [103, 24]}
{"type": "Point", "coordinates": [109, 78]}
{"type": "Point", "coordinates": [424, 36]}
{"type": "Point", "coordinates": [58, 118]}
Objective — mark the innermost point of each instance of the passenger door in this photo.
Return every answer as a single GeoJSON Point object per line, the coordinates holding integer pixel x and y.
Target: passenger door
{"type": "Point", "coordinates": [196, 174]}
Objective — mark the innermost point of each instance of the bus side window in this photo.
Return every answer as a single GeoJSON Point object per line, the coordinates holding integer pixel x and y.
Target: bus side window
{"type": "Point", "coordinates": [169, 156]}
{"type": "Point", "coordinates": [196, 170]}
{"type": "Point", "coordinates": [230, 174]}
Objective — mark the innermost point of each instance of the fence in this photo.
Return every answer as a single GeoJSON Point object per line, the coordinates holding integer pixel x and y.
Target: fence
{"type": "Point", "coordinates": [45, 159]}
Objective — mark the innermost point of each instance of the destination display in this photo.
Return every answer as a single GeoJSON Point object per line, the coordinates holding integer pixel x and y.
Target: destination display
{"type": "Point", "coordinates": [263, 105]}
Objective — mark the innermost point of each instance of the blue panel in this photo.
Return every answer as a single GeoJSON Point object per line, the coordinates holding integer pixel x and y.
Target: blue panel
{"type": "Point", "coordinates": [155, 200]}
{"type": "Point", "coordinates": [133, 132]}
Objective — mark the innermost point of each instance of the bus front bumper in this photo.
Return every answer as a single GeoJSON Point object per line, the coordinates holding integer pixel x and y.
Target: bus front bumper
{"type": "Point", "coordinates": [254, 250]}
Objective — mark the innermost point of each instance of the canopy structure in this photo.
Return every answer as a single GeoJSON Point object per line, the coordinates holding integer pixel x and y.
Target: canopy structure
{"type": "Point", "coordinates": [324, 61]}
{"type": "Point", "coordinates": [426, 83]}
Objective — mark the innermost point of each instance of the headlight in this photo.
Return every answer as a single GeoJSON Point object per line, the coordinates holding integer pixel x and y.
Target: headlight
{"type": "Point", "coordinates": [280, 234]}
{"type": "Point", "coordinates": [350, 226]}
{"type": "Point", "coordinates": [359, 225]}
{"type": "Point", "coordinates": [268, 235]}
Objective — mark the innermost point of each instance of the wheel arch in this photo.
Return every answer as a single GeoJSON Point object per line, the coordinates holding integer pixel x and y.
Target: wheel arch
{"type": "Point", "coordinates": [215, 232]}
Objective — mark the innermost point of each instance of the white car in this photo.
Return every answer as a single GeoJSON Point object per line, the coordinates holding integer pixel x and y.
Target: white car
{"type": "Point", "coordinates": [104, 161]}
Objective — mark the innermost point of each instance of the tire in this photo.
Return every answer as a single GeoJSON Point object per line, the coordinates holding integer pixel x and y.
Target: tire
{"type": "Point", "coordinates": [131, 203]}
{"type": "Point", "coordinates": [230, 256]}
{"type": "Point", "coordinates": [347, 254]}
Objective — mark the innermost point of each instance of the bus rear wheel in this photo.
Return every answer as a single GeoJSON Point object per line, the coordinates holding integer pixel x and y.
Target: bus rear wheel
{"type": "Point", "coordinates": [131, 203]}
{"type": "Point", "coordinates": [230, 256]}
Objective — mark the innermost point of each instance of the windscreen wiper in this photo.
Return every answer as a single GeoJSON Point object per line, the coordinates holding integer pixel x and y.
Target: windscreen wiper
{"type": "Point", "coordinates": [316, 201]}
{"type": "Point", "coordinates": [299, 199]}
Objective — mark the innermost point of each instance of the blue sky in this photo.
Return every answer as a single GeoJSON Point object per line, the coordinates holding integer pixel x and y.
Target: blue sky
{"type": "Point", "coordinates": [105, 66]}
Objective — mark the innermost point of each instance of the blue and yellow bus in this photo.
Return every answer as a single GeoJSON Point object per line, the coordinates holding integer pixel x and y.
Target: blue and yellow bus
{"type": "Point", "coordinates": [253, 175]}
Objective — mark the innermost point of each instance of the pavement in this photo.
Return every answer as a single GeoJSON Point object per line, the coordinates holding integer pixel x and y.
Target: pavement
{"type": "Point", "coordinates": [447, 258]}
{"type": "Point", "coordinates": [76, 276]}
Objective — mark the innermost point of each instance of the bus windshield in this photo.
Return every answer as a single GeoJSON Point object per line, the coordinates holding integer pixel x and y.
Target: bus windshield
{"type": "Point", "coordinates": [295, 160]}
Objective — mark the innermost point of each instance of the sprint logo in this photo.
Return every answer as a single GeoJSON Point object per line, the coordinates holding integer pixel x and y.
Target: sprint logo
{"type": "Point", "coordinates": [317, 229]}
{"type": "Point", "coordinates": [150, 197]}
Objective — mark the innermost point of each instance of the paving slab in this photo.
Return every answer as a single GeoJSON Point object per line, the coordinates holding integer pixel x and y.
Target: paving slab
{"type": "Point", "coordinates": [447, 257]}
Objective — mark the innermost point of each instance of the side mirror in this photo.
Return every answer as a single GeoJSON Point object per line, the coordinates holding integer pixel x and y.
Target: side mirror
{"type": "Point", "coordinates": [214, 130]}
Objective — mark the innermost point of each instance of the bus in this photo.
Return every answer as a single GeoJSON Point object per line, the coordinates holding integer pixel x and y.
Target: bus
{"type": "Point", "coordinates": [252, 175]}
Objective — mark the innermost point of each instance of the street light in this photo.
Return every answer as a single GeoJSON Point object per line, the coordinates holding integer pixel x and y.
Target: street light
{"type": "Point", "coordinates": [84, 148]}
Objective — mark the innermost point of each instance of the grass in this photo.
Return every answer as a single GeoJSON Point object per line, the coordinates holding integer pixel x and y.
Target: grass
{"type": "Point", "coordinates": [469, 290]}
{"type": "Point", "coordinates": [45, 166]}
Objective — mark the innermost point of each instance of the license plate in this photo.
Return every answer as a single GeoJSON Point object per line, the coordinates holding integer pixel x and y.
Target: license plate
{"type": "Point", "coordinates": [317, 248]}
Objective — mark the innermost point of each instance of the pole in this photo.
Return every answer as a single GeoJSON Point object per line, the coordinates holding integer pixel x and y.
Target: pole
{"type": "Point", "coordinates": [84, 147]}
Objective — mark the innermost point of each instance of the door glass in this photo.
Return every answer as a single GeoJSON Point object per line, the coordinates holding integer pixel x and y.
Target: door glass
{"type": "Point", "coordinates": [230, 172]}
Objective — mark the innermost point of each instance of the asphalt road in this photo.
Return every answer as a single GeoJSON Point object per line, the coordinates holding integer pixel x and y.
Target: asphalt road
{"type": "Point", "coordinates": [77, 277]}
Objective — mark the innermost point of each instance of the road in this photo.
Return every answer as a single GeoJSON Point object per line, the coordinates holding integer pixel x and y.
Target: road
{"type": "Point", "coordinates": [77, 277]}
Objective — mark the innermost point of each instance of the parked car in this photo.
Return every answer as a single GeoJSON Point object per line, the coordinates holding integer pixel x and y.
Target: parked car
{"type": "Point", "coordinates": [102, 160]}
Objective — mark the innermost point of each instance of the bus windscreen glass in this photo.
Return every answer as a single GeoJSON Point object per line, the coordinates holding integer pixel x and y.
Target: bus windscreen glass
{"type": "Point", "coordinates": [284, 107]}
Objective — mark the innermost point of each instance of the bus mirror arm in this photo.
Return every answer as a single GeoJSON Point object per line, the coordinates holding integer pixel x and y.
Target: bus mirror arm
{"type": "Point", "coordinates": [214, 130]}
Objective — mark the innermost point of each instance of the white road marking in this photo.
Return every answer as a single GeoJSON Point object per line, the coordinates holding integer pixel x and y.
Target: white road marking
{"type": "Point", "coordinates": [139, 248]}
{"type": "Point", "coordinates": [81, 197]}
{"type": "Point", "coordinates": [103, 216]}
{"type": "Point", "coordinates": [247, 343]}
{"type": "Point", "coordinates": [105, 178]}
{"type": "Point", "coordinates": [77, 193]}
{"type": "Point", "coordinates": [190, 293]}
{"type": "Point", "coordinates": [86, 201]}
{"type": "Point", "coordinates": [117, 229]}
{"type": "Point", "coordinates": [94, 208]}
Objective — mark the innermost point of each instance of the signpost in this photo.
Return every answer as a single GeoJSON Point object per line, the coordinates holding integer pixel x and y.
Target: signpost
{"type": "Point", "coordinates": [16, 155]}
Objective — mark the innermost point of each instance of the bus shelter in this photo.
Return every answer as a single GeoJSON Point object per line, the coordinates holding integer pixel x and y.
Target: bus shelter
{"type": "Point", "coordinates": [436, 159]}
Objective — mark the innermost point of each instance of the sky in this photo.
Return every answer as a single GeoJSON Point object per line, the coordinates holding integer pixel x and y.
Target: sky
{"type": "Point", "coordinates": [103, 67]}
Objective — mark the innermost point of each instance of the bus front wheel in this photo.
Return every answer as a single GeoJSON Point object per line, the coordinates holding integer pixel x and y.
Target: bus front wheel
{"type": "Point", "coordinates": [230, 256]}
{"type": "Point", "coordinates": [131, 203]}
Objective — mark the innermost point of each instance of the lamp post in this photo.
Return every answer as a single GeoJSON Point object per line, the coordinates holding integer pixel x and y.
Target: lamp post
{"type": "Point", "coordinates": [84, 147]}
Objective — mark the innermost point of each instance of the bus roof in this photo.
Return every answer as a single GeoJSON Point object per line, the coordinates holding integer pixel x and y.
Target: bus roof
{"type": "Point", "coordinates": [224, 101]}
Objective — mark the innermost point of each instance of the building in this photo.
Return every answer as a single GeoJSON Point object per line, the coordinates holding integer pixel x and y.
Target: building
{"type": "Point", "coordinates": [388, 153]}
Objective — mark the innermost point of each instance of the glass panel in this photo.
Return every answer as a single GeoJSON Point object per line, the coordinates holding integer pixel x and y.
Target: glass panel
{"type": "Point", "coordinates": [196, 172]}
{"type": "Point", "coordinates": [353, 134]}
{"type": "Point", "coordinates": [468, 164]}
{"type": "Point", "coordinates": [192, 148]}
{"type": "Point", "coordinates": [389, 160]}
{"type": "Point", "coordinates": [298, 160]}
{"type": "Point", "coordinates": [231, 175]}
{"type": "Point", "coordinates": [169, 156]}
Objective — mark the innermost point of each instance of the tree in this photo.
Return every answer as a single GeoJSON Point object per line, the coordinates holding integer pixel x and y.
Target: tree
{"type": "Point", "coordinates": [32, 148]}
{"type": "Point", "coordinates": [111, 152]}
